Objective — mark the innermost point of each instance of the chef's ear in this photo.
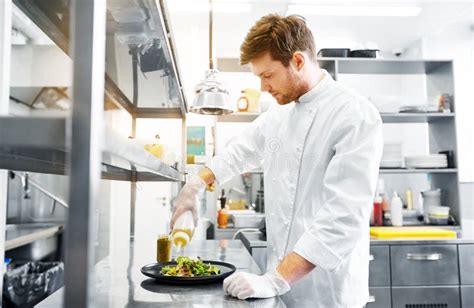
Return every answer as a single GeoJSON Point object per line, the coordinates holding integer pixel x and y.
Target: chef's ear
{"type": "Point", "coordinates": [299, 59]}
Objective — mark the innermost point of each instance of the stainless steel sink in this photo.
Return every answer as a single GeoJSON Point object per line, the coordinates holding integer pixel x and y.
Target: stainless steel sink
{"type": "Point", "coordinates": [31, 241]}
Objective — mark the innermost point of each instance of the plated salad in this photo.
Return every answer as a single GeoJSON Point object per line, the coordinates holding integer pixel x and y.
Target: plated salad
{"type": "Point", "coordinates": [187, 267]}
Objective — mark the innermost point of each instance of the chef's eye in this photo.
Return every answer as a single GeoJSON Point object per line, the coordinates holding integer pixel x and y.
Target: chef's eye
{"type": "Point", "coordinates": [267, 76]}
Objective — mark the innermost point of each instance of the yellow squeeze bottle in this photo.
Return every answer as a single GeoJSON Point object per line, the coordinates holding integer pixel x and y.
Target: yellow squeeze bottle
{"type": "Point", "coordinates": [183, 229]}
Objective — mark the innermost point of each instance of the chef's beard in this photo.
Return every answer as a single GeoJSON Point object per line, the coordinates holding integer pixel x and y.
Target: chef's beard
{"type": "Point", "coordinates": [294, 89]}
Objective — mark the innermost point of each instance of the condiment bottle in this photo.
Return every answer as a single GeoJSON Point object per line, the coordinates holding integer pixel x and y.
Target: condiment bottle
{"type": "Point", "coordinates": [183, 229]}
{"type": "Point", "coordinates": [222, 214]}
{"type": "Point", "coordinates": [396, 210]}
{"type": "Point", "coordinates": [378, 211]}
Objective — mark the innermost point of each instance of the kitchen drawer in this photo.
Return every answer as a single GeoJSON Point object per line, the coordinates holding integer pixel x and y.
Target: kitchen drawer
{"type": "Point", "coordinates": [424, 265]}
{"type": "Point", "coordinates": [466, 264]}
{"type": "Point", "coordinates": [425, 297]}
{"type": "Point", "coordinates": [379, 298]}
{"type": "Point", "coordinates": [379, 266]}
{"type": "Point", "coordinates": [467, 296]}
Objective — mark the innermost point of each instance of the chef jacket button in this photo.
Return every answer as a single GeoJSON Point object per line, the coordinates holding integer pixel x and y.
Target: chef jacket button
{"type": "Point", "coordinates": [280, 258]}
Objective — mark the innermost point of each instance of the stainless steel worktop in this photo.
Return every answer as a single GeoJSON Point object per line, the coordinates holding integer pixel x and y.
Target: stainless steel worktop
{"type": "Point", "coordinates": [119, 282]}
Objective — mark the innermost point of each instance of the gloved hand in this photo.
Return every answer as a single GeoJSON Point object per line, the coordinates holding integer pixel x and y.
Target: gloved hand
{"type": "Point", "coordinates": [186, 199]}
{"type": "Point", "coordinates": [244, 285]}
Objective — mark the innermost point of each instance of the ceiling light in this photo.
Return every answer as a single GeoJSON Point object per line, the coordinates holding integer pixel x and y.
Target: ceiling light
{"type": "Point", "coordinates": [211, 97]}
{"type": "Point", "coordinates": [353, 10]}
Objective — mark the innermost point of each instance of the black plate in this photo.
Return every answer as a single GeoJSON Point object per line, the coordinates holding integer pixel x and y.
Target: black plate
{"type": "Point", "coordinates": [154, 271]}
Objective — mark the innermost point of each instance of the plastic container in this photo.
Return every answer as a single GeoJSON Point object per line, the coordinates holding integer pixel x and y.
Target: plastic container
{"type": "Point", "coordinates": [396, 210]}
{"type": "Point", "coordinates": [437, 215]}
{"type": "Point", "coordinates": [183, 229]}
{"type": "Point", "coordinates": [334, 52]}
{"type": "Point", "coordinates": [364, 53]}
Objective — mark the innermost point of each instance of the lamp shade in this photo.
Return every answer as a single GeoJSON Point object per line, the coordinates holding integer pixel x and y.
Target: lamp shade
{"type": "Point", "coordinates": [211, 97]}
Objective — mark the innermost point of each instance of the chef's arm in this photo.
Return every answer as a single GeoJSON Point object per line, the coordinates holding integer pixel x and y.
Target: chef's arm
{"type": "Point", "coordinates": [294, 267]}
{"type": "Point", "coordinates": [349, 186]}
{"type": "Point", "coordinates": [244, 153]}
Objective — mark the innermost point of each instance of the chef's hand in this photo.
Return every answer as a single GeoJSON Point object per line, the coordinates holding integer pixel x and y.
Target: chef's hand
{"type": "Point", "coordinates": [186, 199]}
{"type": "Point", "coordinates": [244, 285]}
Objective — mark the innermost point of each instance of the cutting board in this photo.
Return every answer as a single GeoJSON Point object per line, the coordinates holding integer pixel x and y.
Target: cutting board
{"type": "Point", "coordinates": [411, 232]}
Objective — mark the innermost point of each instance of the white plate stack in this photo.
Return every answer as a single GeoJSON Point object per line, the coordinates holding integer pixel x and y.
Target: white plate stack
{"type": "Point", "coordinates": [392, 155]}
{"type": "Point", "coordinates": [427, 161]}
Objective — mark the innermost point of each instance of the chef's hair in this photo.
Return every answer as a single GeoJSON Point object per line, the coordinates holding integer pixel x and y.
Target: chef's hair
{"type": "Point", "coordinates": [280, 35]}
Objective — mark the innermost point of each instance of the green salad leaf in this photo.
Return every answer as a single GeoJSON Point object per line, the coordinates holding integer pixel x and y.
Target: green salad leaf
{"type": "Point", "coordinates": [187, 267]}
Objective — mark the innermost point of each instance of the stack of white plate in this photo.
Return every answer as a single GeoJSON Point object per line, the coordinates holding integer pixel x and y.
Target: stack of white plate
{"type": "Point", "coordinates": [392, 155]}
{"type": "Point", "coordinates": [427, 161]}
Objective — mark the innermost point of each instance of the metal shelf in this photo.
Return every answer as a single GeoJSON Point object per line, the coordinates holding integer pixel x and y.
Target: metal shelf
{"type": "Point", "coordinates": [44, 151]}
{"type": "Point", "coordinates": [386, 117]}
{"type": "Point", "coordinates": [409, 171]}
{"type": "Point", "coordinates": [238, 117]}
{"type": "Point", "coordinates": [416, 117]}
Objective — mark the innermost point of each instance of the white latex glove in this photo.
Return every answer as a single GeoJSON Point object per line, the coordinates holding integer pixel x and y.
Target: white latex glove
{"type": "Point", "coordinates": [186, 199]}
{"type": "Point", "coordinates": [244, 285]}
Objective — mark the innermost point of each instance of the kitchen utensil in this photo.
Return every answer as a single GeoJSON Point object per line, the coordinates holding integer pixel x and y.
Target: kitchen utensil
{"type": "Point", "coordinates": [431, 197]}
{"type": "Point", "coordinates": [334, 52]}
{"type": "Point", "coordinates": [411, 232]}
{"type": "Point", "coordinates": [154, 271]}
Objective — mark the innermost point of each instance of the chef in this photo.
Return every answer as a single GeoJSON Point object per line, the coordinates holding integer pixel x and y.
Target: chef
{"type": "Point", "coordinates": [320, 150]}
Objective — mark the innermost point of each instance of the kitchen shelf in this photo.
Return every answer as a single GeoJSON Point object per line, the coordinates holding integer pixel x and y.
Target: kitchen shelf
{"type": "Point", "coordinates": [416, 117]}
{"type": "Point", "coordinates": [386, 117]}
{"type": "Point", "coordinates": [44, 151]}
{"type": "Point", "coordinates": [238, 117]}
{"type": "Point", "coordinates": [410, 171]}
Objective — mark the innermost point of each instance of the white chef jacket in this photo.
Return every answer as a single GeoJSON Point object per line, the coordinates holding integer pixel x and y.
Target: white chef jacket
{"type": "Point", "coordinates": [320, 158]}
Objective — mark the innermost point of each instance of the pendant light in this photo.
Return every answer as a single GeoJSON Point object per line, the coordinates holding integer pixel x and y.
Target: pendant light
{"type": "Point", "coordinates": [211, 97]}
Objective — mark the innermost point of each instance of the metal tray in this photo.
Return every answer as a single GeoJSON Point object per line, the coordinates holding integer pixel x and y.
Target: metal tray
{"type": "Point", "coordinates": [154, 271]}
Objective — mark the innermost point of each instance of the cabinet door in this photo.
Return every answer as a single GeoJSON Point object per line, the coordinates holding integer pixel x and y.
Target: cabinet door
{"type": "Point", "coordinates": [425, 297]}
{"type": "Point", "coordinates": [379, 267]}
{"type": "Point", "coordinates": [466, 264]}
{"type": "Point", "coordinates": [379, 298]}
{"type": "Point", "coordinates": [424, 265]}
{"type": "Point", "coordinates": [467, 296]}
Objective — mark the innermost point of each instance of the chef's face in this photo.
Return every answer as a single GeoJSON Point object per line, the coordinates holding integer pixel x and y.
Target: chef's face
{"type": "Point", "coordinates": [283, 83]}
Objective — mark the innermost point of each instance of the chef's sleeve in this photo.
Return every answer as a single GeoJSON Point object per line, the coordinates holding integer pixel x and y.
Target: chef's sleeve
{"type": "Point", "coordinates": [349, 185]}
{"type": "Point", "coordinates": [243, 154]}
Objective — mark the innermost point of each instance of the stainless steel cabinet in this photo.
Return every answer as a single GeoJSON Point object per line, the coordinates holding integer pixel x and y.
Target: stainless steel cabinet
{"type": "Point", "coordinates": [426, 297]}
{"type": "Point", "coordinates": [379, 298]}
{"type": "Point", "coordinates": [379, 267]}
{"type": "Point", "coordinates": [467, 296]}
{"type": "Point", "coordinates": [466, 264]}
{"type": "Point", "coordinates": [424, 265]}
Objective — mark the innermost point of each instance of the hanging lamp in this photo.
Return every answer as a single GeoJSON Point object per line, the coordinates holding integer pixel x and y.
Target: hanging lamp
{"type": "Point", "coordinates": [211, 97]}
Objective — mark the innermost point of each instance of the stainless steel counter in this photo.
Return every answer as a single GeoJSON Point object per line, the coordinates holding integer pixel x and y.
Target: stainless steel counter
{"type": "Point", "coordinates": [119, 282]}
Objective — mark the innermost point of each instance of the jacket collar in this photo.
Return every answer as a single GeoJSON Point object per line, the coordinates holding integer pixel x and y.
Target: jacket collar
{"type": "Point", "coordinates": [319, 88]}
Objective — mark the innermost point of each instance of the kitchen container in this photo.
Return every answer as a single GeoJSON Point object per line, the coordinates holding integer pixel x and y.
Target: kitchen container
{"type": "Point", "coordinates": [248, 220]}
{"type": "Point", "coordinates": [334, 52]}
{"type": "Point", "coordinates": [438, 215]}
{"type": "Point", "coordinates": [364, 53]}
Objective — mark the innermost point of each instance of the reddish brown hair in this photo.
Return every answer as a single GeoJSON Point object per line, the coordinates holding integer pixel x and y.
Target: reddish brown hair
{"type": "Point", "coordinates": [281, 36]}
